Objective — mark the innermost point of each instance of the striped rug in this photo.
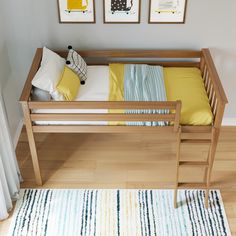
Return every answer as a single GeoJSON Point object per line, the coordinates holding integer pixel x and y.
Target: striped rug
{"type": "Point", "coordinates": [117, 212]}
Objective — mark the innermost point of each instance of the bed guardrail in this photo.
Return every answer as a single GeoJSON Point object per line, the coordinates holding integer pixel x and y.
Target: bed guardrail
{"type": "Point", "coordinates": [173, 117]}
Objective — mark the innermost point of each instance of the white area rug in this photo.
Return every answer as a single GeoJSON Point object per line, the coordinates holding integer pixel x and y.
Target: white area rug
{"type": "Point", "coordinates": [117, 212]}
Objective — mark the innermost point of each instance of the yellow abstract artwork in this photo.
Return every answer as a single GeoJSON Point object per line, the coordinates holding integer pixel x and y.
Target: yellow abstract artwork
{"type": "Point", "coordinates": [76, 11]}
{"type": "Point", "coordinates": [80, 5]}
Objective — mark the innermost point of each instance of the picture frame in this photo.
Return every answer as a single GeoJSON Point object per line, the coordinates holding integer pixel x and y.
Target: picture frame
{"type": "Point", "coordinates": [76, 11]}
{"type": "Point", "coordinates": [121, 11]}
{"type": "Point", "coordinates": [167, 11]}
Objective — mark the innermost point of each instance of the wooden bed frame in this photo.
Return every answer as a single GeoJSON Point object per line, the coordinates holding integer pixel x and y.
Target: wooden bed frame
{"type": "Point", "coordinates": [173, 58]}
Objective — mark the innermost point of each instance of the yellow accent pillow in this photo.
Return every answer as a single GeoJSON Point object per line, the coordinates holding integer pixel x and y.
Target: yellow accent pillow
{"type": "Point", "coordinates": [69, 84]}
{"type": "Point", "coordinates": [186, 84]}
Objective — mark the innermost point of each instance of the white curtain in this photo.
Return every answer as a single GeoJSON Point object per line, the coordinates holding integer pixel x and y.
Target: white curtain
{"type": "Point", "coordinates": [9, 172]}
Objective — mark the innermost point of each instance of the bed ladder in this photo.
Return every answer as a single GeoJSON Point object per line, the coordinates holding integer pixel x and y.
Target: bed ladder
{"type": "Point", "coordinates": [210, 138]}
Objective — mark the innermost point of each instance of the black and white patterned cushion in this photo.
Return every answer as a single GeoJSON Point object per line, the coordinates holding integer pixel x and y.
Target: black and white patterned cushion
{"type": "Point", "coordinates": [77, 64]}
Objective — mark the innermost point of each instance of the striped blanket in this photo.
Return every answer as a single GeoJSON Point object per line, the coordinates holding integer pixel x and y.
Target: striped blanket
{"type": "Point", "coordinates": [144, 83]}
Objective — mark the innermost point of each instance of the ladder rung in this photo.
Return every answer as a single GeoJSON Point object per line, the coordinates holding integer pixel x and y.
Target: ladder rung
{"type": "Point", "coordinates": [196, 141]}
{"type": "Point", "coordinates": [192, 185]}
{"type": "Point", "coordinates": [198, 136]}
{"type": "Point", "coordinates": [194, 163]}
{"type": "Point", "coordinates": [196, 129]}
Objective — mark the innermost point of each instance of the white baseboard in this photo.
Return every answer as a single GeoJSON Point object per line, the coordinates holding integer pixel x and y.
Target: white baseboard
{"type": "Point", "coordinates": [18, 132]}
{"type": "Point", "coordinates": [229, 122]}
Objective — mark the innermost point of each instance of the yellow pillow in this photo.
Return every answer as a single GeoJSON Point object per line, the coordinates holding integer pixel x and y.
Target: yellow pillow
{"type": "Point", "coordinates": [69, 84]}
{"type": "Point", "coordinates": [186, 84]}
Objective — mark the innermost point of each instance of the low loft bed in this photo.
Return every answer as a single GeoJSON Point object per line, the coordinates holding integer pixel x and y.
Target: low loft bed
{"type": "Point", "coordinates": [184, 133]}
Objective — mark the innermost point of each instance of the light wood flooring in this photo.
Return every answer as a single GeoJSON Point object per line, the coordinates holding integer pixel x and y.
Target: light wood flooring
{"type": "Point", "coordinates": [126, 161]}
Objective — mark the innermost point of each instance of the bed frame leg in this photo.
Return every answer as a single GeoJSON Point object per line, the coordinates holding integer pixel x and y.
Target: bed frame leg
{"type": "Point", "coordinates": [211, 157]}
{"type": "Point", "coordinates": [177, 167]}
{"type": "Point", "coordinates": [32, 145]}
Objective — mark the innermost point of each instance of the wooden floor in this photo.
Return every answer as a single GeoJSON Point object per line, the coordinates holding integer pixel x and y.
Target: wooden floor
{"type": "Point", "coordinates": [126, 161]}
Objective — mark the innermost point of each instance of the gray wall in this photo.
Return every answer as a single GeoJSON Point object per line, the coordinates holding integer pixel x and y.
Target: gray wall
{"type": "Point", "coordinates": [32, 24]}
{"type": "Point", "coordinates": [8, 86]}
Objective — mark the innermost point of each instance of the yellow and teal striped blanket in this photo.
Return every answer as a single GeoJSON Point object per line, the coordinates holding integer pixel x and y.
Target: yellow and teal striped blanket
{"type": "Point", "coordinates": [135, 82]}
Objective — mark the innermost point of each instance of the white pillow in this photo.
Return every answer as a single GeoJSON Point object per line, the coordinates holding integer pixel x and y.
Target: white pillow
{"type": "Point", "coordinates": [50, 71]}
{"type": "Point", "coordinates": [76, 63]}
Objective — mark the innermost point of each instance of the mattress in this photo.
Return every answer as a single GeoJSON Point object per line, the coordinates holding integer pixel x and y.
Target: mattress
{"type": "Point", "coordinates": [183, 84]}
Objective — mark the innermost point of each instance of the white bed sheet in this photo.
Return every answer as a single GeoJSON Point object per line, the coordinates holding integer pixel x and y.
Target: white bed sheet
{"type": "Point", "coordinates": [96, 88]}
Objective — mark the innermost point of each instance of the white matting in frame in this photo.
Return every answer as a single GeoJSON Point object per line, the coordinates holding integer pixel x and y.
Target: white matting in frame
{"type": "Point", "coordinates": [167, 11]}
{"type": "Point", "coordinates": [121, 11]}
{"type": "Point", "coordinates": [76, 11]}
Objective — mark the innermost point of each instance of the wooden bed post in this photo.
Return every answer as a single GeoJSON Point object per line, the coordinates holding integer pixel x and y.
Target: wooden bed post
{"type": "Point", "coordinates": [218, 100]}
{"type": "Point", "coordinates": [177, 166]}
{"type": "Point", "coordinates": [32, 145]}
{"type": "Point", "coordinates": [211, 158]}
{"type": "Point", "coordinates": [213, 147]}
{"type": "Point", "coordinates": [177, 129]}
{"type": "Point", "coordinates": [24, 99]}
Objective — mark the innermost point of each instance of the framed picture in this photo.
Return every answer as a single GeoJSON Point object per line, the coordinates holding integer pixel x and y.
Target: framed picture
{"type": "Point", "coordinates": [167, 11]}
{"type": "Point", "coordinates": [121, 11]}
{"type": "Point", "coordinates": [76, 11]}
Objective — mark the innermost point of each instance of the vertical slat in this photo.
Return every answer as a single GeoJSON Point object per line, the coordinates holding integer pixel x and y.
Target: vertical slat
{"type": "Point", "coordinates": [32, 145]}
{"type": "Point", "coordinates": [208, 87]}
{"type": "Point", "coordinates": [177, 116]}
{"type": "Point", "coordinates": [202, 64]}
{"type": "Point", "coordinates": [215, 107]}
{"type": "Point", "coordinates": [206, 80]}
{"type": "Point", "coordinates": [213, 98]}
{"type": "Point", "coordinates": [210, 93]}
{"type": "Point", "coordinates": [204, 73]}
